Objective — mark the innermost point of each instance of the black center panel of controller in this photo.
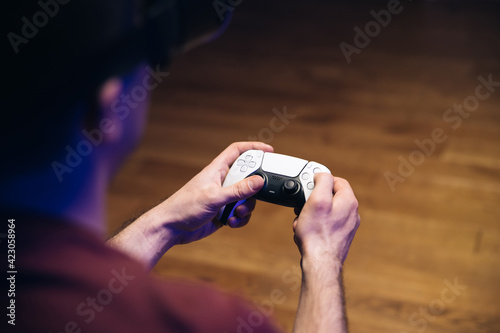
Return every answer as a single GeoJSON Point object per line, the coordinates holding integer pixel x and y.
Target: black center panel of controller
{"type": "Point", "coordinates": [280, 190]}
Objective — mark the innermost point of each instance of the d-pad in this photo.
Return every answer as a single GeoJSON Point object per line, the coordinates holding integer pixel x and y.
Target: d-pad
{"type": "Point", "coordinates": [246, 163]}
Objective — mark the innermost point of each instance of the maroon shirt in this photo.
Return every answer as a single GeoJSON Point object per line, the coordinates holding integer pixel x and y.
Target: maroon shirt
{"type": "Point", "coordinates": [68, 280]}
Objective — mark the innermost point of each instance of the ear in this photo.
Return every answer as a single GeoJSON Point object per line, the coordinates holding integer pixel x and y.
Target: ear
{"type": "Point", "coordinates": [103, 115]}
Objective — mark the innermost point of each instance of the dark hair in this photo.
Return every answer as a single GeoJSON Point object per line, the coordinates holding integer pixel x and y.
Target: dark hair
{"type": "Point", "coordinates": [58, 54]}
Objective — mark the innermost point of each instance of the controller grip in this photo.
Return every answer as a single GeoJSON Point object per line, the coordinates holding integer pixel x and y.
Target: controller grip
{"type": "Point", "coordinates": [228, 211]}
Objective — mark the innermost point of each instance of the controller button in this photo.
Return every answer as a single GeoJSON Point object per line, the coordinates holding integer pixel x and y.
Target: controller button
{"type": "Point", "coordinates": [291, 186]}
{"type": "Point", "coordinates": [316, 170]}
{"type": "Point", "coordinates": [310, 185]}
{"type": "Point", "coordinates": [246, 163]}
{"type": "Point", "coordinates": [259, 174]}
{"type": "Point", "coordinates": [305, 176]}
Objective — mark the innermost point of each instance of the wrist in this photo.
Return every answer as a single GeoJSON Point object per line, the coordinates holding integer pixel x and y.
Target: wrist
{"type": "Point", "coordinates": [313, 265]}
{"type": "Point", "coordinates": [321, 303]}
{"type": "Point", "coordinates": [158, 229]}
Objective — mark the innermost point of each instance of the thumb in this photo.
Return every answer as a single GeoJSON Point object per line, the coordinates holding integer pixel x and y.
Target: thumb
{"type": "Point", "coordinates": [243, 189]}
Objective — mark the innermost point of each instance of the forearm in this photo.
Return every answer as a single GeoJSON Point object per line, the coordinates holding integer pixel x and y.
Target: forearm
{"type": "Point", "coordinates": [321, 304]}
{"type": "Point", "coordinates": [145, 239]}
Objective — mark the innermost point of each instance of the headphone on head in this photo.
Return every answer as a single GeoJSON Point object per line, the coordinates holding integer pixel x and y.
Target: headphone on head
{"type": "Point", "coordinates": [166, 29]}
{"type": "Point", "coordinates": [121, 35]}
{"type": "Point", "coordinates": [172, 27]}
{"type": "Point", "coordinates": [80, 45]}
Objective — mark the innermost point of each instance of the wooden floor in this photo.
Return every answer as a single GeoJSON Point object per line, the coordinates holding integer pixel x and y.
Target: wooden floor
{"type": "Point", "coordinates": [439, 225]}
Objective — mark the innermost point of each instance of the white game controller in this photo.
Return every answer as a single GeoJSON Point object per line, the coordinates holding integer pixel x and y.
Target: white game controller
{"type": "Point", "coordinates": [288, 181]}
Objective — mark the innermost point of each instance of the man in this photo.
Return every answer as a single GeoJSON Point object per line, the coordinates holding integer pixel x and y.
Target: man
{"type": "Point", "coordinates": [65, 140]}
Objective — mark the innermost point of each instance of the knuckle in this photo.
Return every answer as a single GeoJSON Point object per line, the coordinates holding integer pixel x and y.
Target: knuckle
{"type": "Point", "coordinates": [235, 145]}
{"type": "Point", "coordinates": [238, 190]}
{"type": "Point", "coordinates": [354, 204]}
{"type": "Point", "coordinates": [327, 175]}
{"type": "Point", "coordinates": [343, 181]}
{"type": "Point", "coordinates": [324, 176]}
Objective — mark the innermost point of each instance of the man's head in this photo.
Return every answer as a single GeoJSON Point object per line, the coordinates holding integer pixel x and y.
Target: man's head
{"type": "Point", "coordinates": [70, 60]}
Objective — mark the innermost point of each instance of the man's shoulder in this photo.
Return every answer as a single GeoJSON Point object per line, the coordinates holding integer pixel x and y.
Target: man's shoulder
{"type": "Point", "coordinates": [73, 279]}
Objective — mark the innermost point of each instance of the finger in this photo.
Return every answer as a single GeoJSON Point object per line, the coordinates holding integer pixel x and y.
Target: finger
{"type": "Point", "coordinates": [342, 185]}
{"type": "Point", "coordinates": [297, 211]}
{"type": "Point", "coordinates": [343, 192]}
{"type": "Point", "coordinates": [321, 196]}
{"type": "Point", "coordinates": [231, 153]}
{"type": "Point", "coordinates": [217, 224]}
{"type": "Point", "coordinates": [235, 222]}
{"type": "Point", "coordinates": [323, 189]}
{"type": "Point", "coordinates": [294, 224]}
{"type": "Point", "coordinates": [246, 208]}
{"type": "Point", "coordinates": [241, 190]}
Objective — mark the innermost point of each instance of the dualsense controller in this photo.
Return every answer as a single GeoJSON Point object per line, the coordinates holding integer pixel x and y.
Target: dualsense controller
{"type": "Point", "coordinates": [288, 181]}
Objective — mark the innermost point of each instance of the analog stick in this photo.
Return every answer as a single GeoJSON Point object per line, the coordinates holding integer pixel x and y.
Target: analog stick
{"type": "Point", "coordinates": [291, 186]}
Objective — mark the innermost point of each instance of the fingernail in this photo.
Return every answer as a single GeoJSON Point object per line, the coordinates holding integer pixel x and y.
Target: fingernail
{"type": "Point", "coordinates": [251, 184]}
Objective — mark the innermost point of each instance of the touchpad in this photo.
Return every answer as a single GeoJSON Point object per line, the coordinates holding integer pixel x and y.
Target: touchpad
{"type": "Point", "coordinates": [282, 164]}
